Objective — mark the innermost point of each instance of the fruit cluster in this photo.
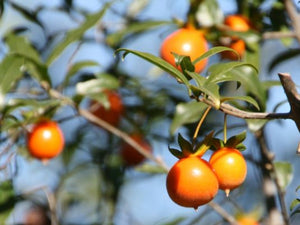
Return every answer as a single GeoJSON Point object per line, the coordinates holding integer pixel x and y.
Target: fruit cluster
{"type": "Point", "coordinates": [189, 41]}
{"type": "Point", "coordinates": [192, 181]}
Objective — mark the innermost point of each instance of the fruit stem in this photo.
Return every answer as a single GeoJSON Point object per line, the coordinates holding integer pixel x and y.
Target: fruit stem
{"type": "Point", "coordinates": [200, 123]}
{"type": "Point", "coordinates": [225, 128]}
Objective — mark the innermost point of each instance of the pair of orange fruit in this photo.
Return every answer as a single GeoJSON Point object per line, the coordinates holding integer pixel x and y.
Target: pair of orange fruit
{"type": "Point", "coordinates": [192, 181]}
{"type": "Point", "coordinates": [191, 42]}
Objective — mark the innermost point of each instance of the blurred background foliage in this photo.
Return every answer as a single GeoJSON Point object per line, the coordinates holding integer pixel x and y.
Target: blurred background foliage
{"type": "Point", "coordinates": [69, 46]}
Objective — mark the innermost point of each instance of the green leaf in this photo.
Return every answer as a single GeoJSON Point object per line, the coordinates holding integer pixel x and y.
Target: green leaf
{"type": "Point", "coordinates": [10, 73]}
{"type": "Point", "coordinates": [213, 51]}
{"type": "Point", "coordinates": [20, 45]}
{"type": "Point", "coordinates": [184, 144]}
{"type": "Point", "coordinates": [219, 72]}
{"type": "Point", "coordinates": [295, 203]}
{"type": "Point", "coordinates": [241, 98]}
{"type": "Point", "coordinates": [167, 67]}
{"type": "Point", "coordinates": [177, 153]}
{"type": "Point", "coordinates": [76, 67]}
{"type": "Point", "coordinates": [256, 124]}
{"type": "Point", "coordinates": [185, 63]}
{"type": "Point", "coordinates": [187, 113]}
{"type": "Point", "coordinates": [236, 139]}
{"type": "Point", "coordinates": [284, 173]}
{"type": "Point", "coordinates": [209, 13]}
{"type": "Point", "coordinates": [7, 200]}
{"type": "Point", "coordinates": [115, 38]}
{"type": "Point", "coordinates": [77, 34]}
{"type": "Point", "coordinates": [96, 86]}
{"type": "Point", "coordinates": [150, 168]}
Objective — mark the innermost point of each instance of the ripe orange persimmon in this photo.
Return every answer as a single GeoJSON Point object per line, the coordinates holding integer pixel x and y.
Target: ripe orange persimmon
{"type": "Point", "coordinates": [230, 167]}
{"type": "Point", "coordinates": [112, 114]}
{"type": "Point", "coordinates": [130, 155]}
{"type": "Point", "coordinates": [191, 182]}
{"type": "Point", "coordinates": [247, 220]}
{"type": "Point", "coordinates": [45, 140]}
{"type": "Point", "coordinates": [236, 23]}
{"type": "Point", "coordinates": [185, 41]}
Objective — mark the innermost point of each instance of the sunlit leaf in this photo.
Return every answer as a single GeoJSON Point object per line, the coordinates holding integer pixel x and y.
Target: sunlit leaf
{"type": "Point", "coordinates": [295, 203]}
{"type": "Point", "coordinates": [186, 113]}
{"type": "Point", "coordinates": [76, 34]}
{"type": "Point", "coordinates": [95, 86]}
{"type": "Point", "coordinates": [284, 173]}
{"type": "Point", "coordinates": [209, 13]}
{"type": "Point", "coordinates": [256, 124]}
{"type": "Point", "coordinates": [150, 168]}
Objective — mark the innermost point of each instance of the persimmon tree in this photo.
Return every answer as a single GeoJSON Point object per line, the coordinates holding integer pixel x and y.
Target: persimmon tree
{"type": "Point", "coordinates": [198, 107]}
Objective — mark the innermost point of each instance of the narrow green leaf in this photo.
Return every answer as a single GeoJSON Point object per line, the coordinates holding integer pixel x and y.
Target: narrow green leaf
{"type": "Point", "coordinates": [115, 38]}
{"type": "Point", "coordinates": [76, 34]}
{"type": "Point", "coordinates": [10, 73]}
{"type": "Point", "coordinates": [167, 67]}
{"type": "Point", "coordinates": [213, 51]}
{"type": "Point", "coordinates": [20, 45]}
{"type": "Point", "coordinates": [284, 173]}
{"type": "Point", "coordinates": [186, 113]}
{"type": "Point", "coordinates": [282, 57]}
{"type": "Point", "coordinates": [76, 67]}
{"type": "Point", "coordinates": [236, 139]}
{"type": "Point", "coordinates": [95, 86]}
{"type": "Point", "coordinates": [241, 98]}
{"type": "Point", "coordinates": [150, 168]}
{"type": "Point", "coordinates": [184, 144]}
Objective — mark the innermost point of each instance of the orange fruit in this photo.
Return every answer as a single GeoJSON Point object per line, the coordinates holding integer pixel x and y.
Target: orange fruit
{"type": "Point", "coordinates": [247, 220]}
{"type": "Point", "coordinates": [130, 156]}
{"type": "Point", "coordinates": [185, 41]}
{"type": "Point", "coordinates": [191, 182]}
{"type": "Point", "coordinates": [37, 216]}
{"type": "Point", "coordinates": [230, 167]}
{"type": "Point", "coordinates": [113, 114]}
{"type": "Point", "coordinates": [236, 23]}
{"type": "Point", "coordinates": [239, 46]}
{"type": "Point", "coordinates": [45, 140]}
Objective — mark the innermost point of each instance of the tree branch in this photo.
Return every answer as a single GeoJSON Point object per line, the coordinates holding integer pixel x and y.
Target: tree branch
{"type": "Point", "coordinates": [294, 16]}
{"type": "Point", "coordinates": [292, 95]}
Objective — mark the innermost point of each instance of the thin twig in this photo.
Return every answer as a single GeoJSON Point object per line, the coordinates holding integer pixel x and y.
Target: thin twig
{"type": "Point", "coordinates": [294, 16]}
{"type": "Point", "coordinates": [223, 213]}
{"type": "Point", "coordinates": [270, 168]}
{"type": "Point", "coordinates": [105, 125]}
